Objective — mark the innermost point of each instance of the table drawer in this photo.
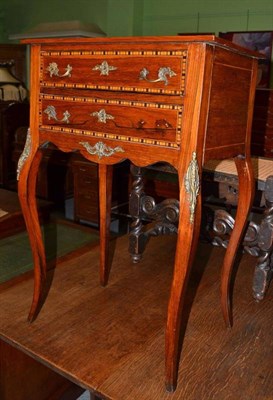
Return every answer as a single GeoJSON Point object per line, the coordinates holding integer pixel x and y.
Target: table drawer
{"type": "Point", "coordinates": [137, 71]}
{"type": "Point", "coordinates": [122, 121]}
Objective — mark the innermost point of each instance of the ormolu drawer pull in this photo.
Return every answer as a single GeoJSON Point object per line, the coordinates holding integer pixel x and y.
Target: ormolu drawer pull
{"type": "Point", "coordinates": [54, 70]}
{"type": "Point", "coordinates": [102, 115]}
{"type": "Point", "coordinates": [162, 75]}
{"type": "Point", "coordinates": [159, 124]}
{"type": "Point", "coordinates": [162, 124]}
{"type": "Point", "coordinates": [141, 123]}
{"type": "Point", "coordinates": [104, 68]}
{"type": "Point", "coordinates": [51, 113]}
{"type": "Point", "coordinates": [101, 150]}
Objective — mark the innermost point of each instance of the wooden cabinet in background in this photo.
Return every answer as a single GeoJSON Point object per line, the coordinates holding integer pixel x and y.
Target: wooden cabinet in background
{"type": "Point", "coordinates": [86, 189]}
{"type": "Point", "coordinates": [262, 128]}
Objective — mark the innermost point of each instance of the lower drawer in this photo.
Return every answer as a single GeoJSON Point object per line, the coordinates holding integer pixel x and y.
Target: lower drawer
{"type": "Point", "coordinates": [141, 121]}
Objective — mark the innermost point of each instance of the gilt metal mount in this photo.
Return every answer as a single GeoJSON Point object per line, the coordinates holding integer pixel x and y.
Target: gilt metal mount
{"type": "Point", "coordinates": [104, 68]}
{"type": "Point", "coordinates": [53, 70]}
{"type": "Point", "coordinates": [101, 150]}
{"type": "Point", "coordinates": [102, 115]}
{"type": "Point", "coordinates": [51, 113]}
{"type": "Point", "coordinates": [192, 184]}
{"type": "Point", "coordinates": [25, 154]}
{"type": "Point", "coordinates": [162, 75]}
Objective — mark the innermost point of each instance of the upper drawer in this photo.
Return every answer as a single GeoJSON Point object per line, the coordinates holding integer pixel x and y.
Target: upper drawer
{"type": "Point", "coordinates": [135, 71]}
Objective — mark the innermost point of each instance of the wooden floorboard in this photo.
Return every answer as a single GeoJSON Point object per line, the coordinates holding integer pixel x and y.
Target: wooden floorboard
{"type": "Point", "coordinates": [111, 340]}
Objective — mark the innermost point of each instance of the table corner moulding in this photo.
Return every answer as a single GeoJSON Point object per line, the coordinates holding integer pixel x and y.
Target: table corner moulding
{"type": "Point", "coordinates": [180, 100]}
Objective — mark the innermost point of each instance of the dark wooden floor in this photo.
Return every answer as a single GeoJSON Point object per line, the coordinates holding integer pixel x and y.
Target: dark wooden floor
{"type": "Point", "coordinates": [111, 340]}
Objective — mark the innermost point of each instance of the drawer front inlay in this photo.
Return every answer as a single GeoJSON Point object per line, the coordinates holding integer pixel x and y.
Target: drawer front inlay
{"type": "Point", "coordinates": [136, 71]}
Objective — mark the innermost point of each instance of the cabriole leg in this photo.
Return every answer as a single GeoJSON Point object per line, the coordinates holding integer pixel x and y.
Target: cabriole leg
{"type": "Point", "coordinates": [27, 175]}
{"type": "Point", "coordinates": [246, 193]}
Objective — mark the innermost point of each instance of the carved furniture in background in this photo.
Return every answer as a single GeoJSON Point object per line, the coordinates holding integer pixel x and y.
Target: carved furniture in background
{"type": "Point", "coordinates": [145, 205]}
{"type": "Point", "coordinates": [159, 190]}
{"type": "Point", "coordinates": [146, 99]}
{"type": "Point", "coordinates": [258, 240]}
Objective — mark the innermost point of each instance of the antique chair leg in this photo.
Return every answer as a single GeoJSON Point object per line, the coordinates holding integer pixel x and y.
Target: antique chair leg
{"type": "Point", "coordinates": [137, 239]}
{"type": "Point", "coordinates": [246, 192]}
{"type": "Point", "coordinates": [27, 196]}
{"type": "Point", "coordinates": [264, 268]}
{"type": "Point", "coordinates": [105, 199]}
{"type": "Point", "coordinates": [164, 214]}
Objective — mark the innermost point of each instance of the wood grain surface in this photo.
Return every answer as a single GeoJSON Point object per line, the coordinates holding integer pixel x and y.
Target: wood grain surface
{"type": "Point", "coordinates": [110, 340]}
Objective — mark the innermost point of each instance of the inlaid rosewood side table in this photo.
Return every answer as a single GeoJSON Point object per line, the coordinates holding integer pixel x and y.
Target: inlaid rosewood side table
{"type": "Point", "coordinates": [179, 100]}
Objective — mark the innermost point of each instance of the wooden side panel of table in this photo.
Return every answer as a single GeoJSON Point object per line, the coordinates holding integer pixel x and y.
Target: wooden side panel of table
{"type": "Point", "coordinates": [22, 377]}
{"type": "Point", "coordinates": [147, 100]}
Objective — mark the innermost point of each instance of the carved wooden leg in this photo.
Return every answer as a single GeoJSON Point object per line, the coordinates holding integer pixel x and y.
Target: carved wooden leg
{"type": "Point", "coordinates": [27, 197]}
{"type": "Point", "coordinates": [264, 268]}
{"type": "Point", "coordinates": [187, 239]}
{"type": "Point", "coordinates": [165, 214]}
{"type": "Point", "coordinates": [105, 199]}
{"type": "Point", "coordinates": [137, 239]}
{"type": "Point", "coordinates": [246, 193]}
